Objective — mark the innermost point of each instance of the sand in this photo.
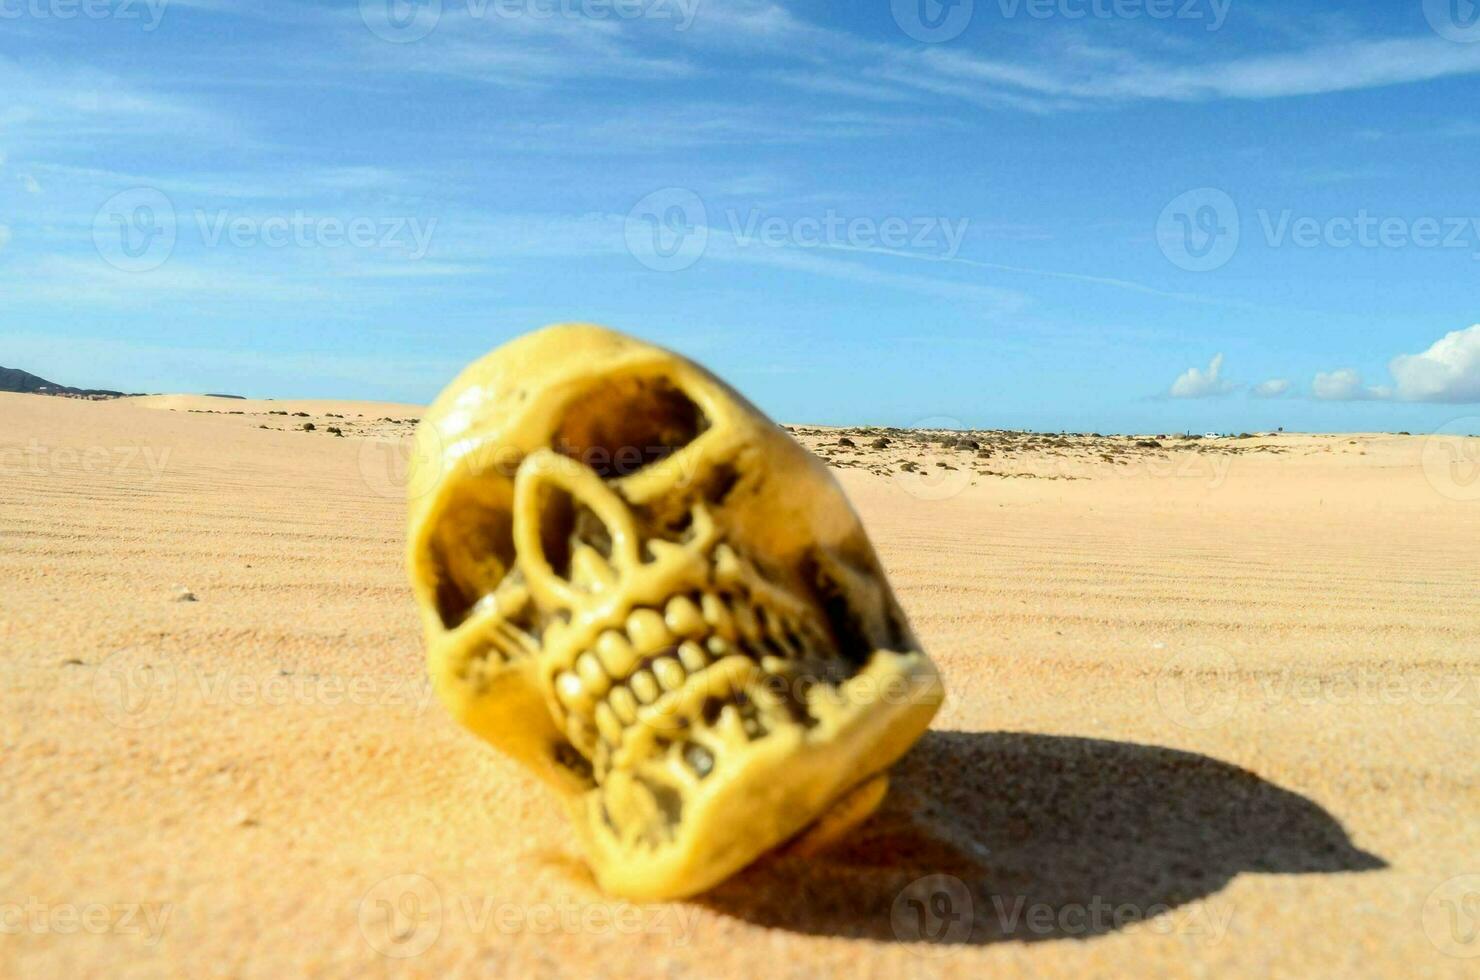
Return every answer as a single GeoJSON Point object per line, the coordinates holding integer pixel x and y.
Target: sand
{"type": "Point", "coordinates": [1212, 708]}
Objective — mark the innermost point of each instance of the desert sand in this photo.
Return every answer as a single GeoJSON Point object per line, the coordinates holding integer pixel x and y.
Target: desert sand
{"type": "Point", "coordinates": [1212, 708]}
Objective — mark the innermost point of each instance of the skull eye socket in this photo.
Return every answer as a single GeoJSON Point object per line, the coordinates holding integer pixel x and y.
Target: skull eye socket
{"type": "Point", "coordinates": [626, 423]}
{"type": "Point", "coordinates": [472, 551]}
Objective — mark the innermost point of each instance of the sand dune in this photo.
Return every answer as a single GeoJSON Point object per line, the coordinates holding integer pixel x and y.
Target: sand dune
{"type": "Point", "coordinates": [1210, 704]}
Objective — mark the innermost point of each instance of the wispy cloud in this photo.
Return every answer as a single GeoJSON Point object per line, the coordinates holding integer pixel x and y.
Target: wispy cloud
{"type": "Point", "coordinates": [1056, 76]}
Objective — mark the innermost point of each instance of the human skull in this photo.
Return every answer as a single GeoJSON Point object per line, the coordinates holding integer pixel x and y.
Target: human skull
{"type": "Point", "coordinates": [644, 590]}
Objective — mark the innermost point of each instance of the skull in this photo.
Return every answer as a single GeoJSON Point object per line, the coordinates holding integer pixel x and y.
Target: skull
{"type": "Point", "coordinates": [638, 586]}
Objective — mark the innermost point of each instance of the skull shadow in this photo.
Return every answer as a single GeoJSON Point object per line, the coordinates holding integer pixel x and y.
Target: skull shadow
{"type": "Point", "coordinates": [1005, 837]}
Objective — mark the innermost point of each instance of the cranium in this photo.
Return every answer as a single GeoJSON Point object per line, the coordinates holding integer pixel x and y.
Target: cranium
{"type": "Point", "coordinates": [644, 590]}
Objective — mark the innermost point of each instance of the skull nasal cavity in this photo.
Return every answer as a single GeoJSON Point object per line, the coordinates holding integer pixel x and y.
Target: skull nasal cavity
{"type": "Point", "coordinates": [565, 524]}
{"type": "Point", "coordinates": [625, 423]}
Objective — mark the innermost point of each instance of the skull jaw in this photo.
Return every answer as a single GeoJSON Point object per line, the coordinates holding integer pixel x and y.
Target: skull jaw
{"type": "Point", "coordinates": [770, 792]}
{"type": "Point", "coordinates": [505, 708]}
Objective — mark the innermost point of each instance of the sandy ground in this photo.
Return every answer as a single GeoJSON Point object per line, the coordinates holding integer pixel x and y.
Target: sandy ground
{"type": "Point", "coordinates": [1213, 708]}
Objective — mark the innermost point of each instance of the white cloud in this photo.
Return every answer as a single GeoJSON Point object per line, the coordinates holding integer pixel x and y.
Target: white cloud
{"type": "Point", "coordinates": [1197, 383]}
{"type": "Point", "coordinates": [1273, 388]}
{"type": "Point", "coordinates": [1345, 385]}
{"type": "Point", "coordinates": [1449, 371]}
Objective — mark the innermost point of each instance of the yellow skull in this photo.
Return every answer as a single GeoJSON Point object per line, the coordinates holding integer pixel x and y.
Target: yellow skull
{"type": "Point", "coordinates": [640, 587]}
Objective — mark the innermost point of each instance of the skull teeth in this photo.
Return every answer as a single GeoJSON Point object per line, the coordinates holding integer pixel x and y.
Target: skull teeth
{"type": "Point", "coordinates": [647, 630]}
{"type": "Point", "coordinates": [669, 673]}
{"type": "Point", "coordinates": [683, 617]}
{"type": "Point", "coordinates": [645, 686]}
{"type": "Point", "coordinates": [653, 663]}
{"type": "Point", "coordinates": [593, 675]}
{"type": "Point", "coordinates": [692, 656]}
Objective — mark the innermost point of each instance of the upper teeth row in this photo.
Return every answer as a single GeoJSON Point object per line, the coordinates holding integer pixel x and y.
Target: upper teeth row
{"type": "Point", "coordinates": [656, 653]}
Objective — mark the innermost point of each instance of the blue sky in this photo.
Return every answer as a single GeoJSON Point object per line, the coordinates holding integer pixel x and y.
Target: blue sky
{"type": "Point", "coordinates": [1114, 215]}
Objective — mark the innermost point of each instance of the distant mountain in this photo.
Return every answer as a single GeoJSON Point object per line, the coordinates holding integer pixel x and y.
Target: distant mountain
{"type": "Point", "coordinates": [14, 379]}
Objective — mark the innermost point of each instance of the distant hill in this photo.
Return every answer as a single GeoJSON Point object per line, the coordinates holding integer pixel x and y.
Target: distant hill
{"type": "Point", "coordinates": [14, 379]}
